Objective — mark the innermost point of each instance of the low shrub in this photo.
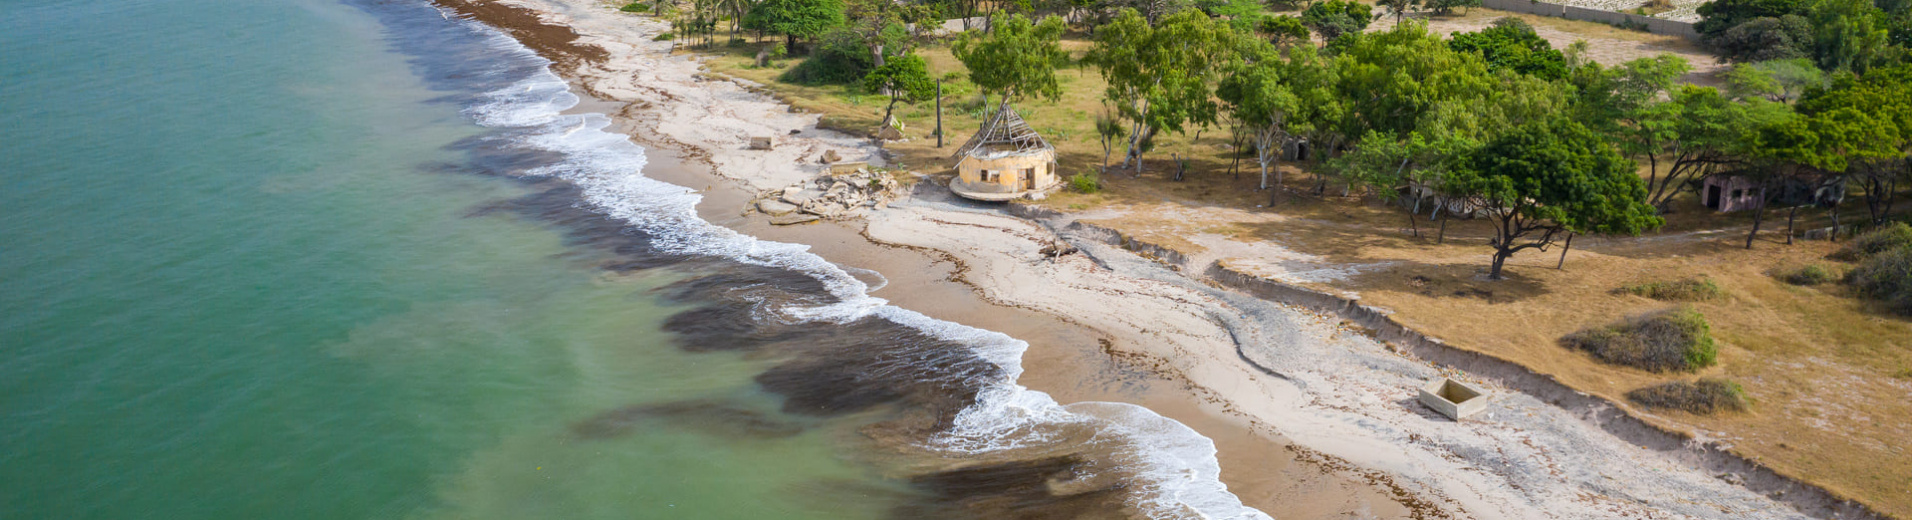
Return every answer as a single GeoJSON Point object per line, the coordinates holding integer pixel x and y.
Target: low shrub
{"type": "Point", "coordinates": [1085, 182]}
{"type": "Point", "coordinates": [1814, 274]}
{"type": "Point", "coordinates": [634, 7]}
{"type": "Point", "coordinates": [1894, 236]}
{"type": "Point", "coordinates": [1886, 277]}
{"type": "Point", "coordinates": [1689, 290]}
{"type": "Point", "coordinates": [1666, 341]}
{"type": "Point", "coordinates": [664, 37]}
{"type": "Point", "coordinates": [1703, 397]}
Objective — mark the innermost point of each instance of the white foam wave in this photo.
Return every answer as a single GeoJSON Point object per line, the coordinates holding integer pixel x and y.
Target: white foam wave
{"type": "Point", "coordinates": [1177, 465]}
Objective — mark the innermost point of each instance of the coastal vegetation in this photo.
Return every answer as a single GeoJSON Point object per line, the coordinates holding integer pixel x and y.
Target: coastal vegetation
{"type": "Point", "coordinates": [1704, 396]}
{"type": "Point", "coordinates": [1677, 340]}
{"type": "Point", "coordinates": [1438, 154]}
{"type": "Point", "coordinates": [1688, 290]}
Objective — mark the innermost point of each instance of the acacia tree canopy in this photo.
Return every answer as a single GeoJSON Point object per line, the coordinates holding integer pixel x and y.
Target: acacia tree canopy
{"type": "Point", "coordinates": [1016, 59]}
{"type": "Point", "coordinates": [1543, 179]}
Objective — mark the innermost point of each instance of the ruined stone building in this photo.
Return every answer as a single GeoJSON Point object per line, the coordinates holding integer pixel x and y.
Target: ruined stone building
{"type": "Point", "coordinates": [1005, 160]}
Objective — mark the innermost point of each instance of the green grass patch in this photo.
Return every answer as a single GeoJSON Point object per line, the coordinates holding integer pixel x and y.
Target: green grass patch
{"type": "Point", "coordinates": [1704, 397]}
{"type": "Point", "coordinates": [664, 37]}
{"type": "Point", "coordinates": [1886, 277]}
{"type": "Point", "coordinates": [1813, 274]}
{"type": "Point", "coordinates": [634, 7]}
{"type": "Point", "coordinates": [1085, 182]}
{"type": "Point", "coordinates": [1689, 290]}
{"type": "Point", "coordinates": [1896, 235]}
{"type": "Point", "coordinates": [1675, 340]}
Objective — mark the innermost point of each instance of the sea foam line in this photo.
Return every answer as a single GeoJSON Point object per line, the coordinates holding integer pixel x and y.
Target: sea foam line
{"type": "Point", "coordinates": [1178, 467]}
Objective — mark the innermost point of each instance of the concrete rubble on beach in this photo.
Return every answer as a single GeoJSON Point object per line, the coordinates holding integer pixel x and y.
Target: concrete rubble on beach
{"type": "Point", "coordinates": [830, 197]}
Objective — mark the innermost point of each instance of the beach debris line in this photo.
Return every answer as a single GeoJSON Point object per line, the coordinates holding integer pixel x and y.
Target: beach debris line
{"type": "Point", "coordinates": [832, 196]}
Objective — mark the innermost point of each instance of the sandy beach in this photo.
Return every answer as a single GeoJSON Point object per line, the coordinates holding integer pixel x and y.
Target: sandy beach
{"type": "Point", "coordinates": [1311, 418]}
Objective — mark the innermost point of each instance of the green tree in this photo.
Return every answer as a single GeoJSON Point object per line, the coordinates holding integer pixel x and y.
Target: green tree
{"type": "Point", "coordinates": [1389, 80]}
{"type": "Point", "coordinates": [1776, 80]}
{"type": "Point", "coordinates": [1016, 59]}
{"type": "Point", "coordinates": [1885, 158]}
{"type": "Point", "coordinates": [1719, 15]}
{"type": "Point", "coordinates": [1161, 77]}
{"type": "Point", "coordinates": [904, 78]}
{"type": "Point", "coordinates": [1511, 44]}
{"type": "Point", "coordinates": [1847, 34]}
{"type": "Point", "coordinates": [1545, 179]}
{"type": "Point", "coordinates": [1333, 18]}
{"type": "Point", "coordinates": [1283, 31]}
{"type": "Point", "coordinates": [795, 18]}
{"type": "Point", "coordinates": [1259, 99]}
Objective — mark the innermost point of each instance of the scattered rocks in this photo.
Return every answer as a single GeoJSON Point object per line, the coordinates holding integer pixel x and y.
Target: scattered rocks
{"type": "Point", "coordinates": [760, 143]}
{"type": "Point", "coordinates": [832, 197]}
{"type": "Point", "coordinates": [830, 156]}
{"type": "Point", "coordinates": [775, 208]}
{"type": "Point", "coordinates": [794, 218]}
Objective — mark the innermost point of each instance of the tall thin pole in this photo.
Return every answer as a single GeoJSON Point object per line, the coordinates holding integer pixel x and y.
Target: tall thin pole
{"type": "Point", "coordinates": [939, 112]}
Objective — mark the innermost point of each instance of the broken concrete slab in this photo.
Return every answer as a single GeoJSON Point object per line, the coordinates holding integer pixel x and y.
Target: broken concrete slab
{"type": "Point", "coordinates": [760, 143]}
{"type": "Point", "coordinates": [775, 208]}
{"type": "Point", "coordinates": [795, 218]}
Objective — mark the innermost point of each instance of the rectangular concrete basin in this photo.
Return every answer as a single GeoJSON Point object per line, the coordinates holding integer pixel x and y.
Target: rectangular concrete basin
{"type": "Point", "coordinates": [1454, 399]}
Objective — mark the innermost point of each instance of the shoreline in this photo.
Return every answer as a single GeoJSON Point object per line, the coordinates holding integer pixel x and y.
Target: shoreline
{"type": "Point", "coordinates": [1195, 346]}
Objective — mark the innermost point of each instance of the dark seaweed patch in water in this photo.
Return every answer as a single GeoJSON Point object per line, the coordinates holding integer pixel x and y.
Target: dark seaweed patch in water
{"type": "Point", "coordinates": [837, 369]}
{"type": "Point", "coordinates": [559, 203]}
{"type": "Point", "coordinates": [749, 283]}
{"type": "Point", "coordinates": [714, 417]}
{"type": "Point", "coordinates": [1050, 488]}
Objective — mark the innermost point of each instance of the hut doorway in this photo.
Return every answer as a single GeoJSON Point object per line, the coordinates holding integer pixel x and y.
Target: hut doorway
{"type": "Point", "coordinates": [1028, 178]}
{"type": "Point", "coordinates": [1712, 197]}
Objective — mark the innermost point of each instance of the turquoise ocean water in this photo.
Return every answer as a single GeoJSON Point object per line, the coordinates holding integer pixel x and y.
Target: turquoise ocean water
{"type": "Point", "coordinates": [230, 287]}
{"type": "Point", "coordinates": [335, 260]}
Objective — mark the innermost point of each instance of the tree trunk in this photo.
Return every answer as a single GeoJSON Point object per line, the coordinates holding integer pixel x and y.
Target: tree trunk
{"type": "Point", "coordinates": [1414, 223]}
{"type": "Point", "coordinates": [1563, 253]}
{"type": "Point", "coordinates": [939, 119]}
{"type": "Point", "coordinates": [1758, 215]}
{"type": "Point", "coordinates": [1500, 259]}
{"type": "Point", "coordinates": [1442, 238]}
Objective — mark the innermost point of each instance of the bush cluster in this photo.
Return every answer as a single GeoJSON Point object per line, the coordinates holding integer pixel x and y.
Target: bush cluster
{"type": "Point", "coordinates": [1897, 235]}
{"type": "Point", "coordinates": [1704, 397]}
{"type": "Point", "coordinates": [1886, 277]}
{"type": "Point", "coordinates": [1672, 340]}
{"type": "Point", "coordinates": [1814, 274]}
{"type": "Point", "coordinates": [1689, 290]}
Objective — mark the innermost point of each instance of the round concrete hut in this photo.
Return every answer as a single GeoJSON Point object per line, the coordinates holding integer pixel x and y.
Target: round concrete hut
{"type": "Point", "coordinates": [1005, 160]}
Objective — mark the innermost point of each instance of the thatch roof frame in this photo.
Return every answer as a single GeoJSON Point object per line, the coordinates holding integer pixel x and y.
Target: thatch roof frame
{"type": "Point", "coordinates": [1004, 131]}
